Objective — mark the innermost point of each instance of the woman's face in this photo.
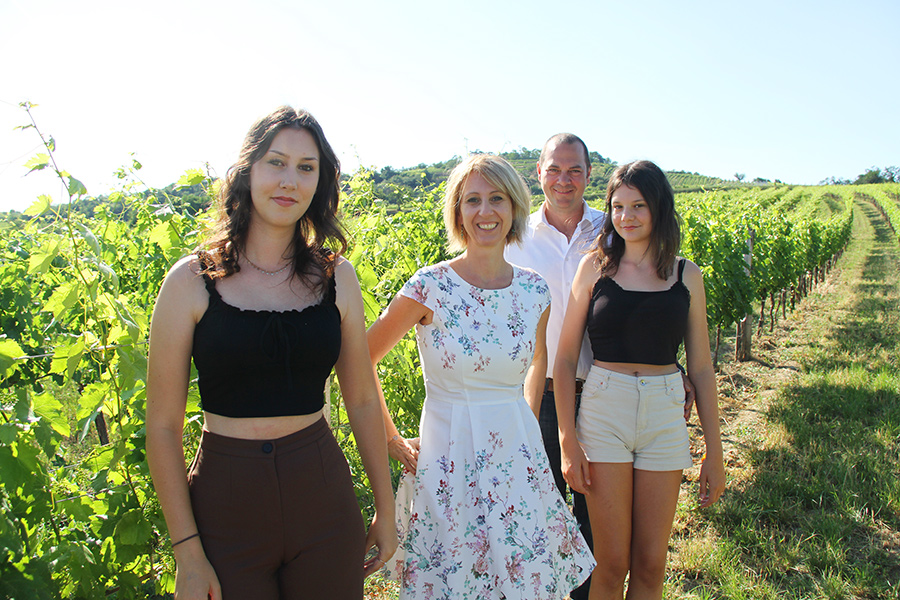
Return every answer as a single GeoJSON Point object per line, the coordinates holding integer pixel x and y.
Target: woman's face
{"type": "Point", "coordinates": [284, 180]}
{"type": "Point", "coordinates": [630, 214]}
{"type": "Point", "coordinates": [485, 212]}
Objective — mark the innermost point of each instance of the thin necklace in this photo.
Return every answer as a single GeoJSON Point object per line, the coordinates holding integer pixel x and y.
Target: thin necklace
{"type": "Point", "coordinates": [261, 270]}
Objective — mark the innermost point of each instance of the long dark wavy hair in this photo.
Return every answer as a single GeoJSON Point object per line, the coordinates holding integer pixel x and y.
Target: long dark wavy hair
{"type": "Point", "coordinates": [318, 236]}
{"type": "Point", "coordinates": [665, 234]}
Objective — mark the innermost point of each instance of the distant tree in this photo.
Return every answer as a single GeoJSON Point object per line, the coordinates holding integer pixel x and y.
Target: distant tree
{"type": "Point", "coordinates": [761, 180]}
{"type": "Point", "coordinates": [739, 176]}
{"type": "Point", "coordinates": [872, 175]}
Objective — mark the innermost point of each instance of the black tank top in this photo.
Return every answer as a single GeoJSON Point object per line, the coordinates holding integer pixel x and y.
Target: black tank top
{"type": "Point", "coordinates": [638, 327]}
{"type": "Point", "coordinates": [262, 363]}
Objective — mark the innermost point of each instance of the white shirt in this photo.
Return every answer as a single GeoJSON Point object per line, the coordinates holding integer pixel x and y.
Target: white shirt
{"type": "Point", "coordinates": [546, 250]}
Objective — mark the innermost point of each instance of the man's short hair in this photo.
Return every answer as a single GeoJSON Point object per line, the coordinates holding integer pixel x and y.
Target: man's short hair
{"type": "Point", "coordinates": [566, 138]}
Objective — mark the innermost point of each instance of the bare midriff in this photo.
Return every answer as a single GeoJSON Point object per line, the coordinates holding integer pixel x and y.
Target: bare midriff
{"type": "Point", "coordinates": [638, 369]}
{"type": "Point", "coordinates": [258, 428]}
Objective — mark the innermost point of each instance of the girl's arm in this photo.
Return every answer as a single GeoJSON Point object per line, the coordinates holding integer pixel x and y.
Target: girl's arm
{"type": "Point", "coordinates": [364, 413]}
{"type": "Point", "coordinates": [699, 364]}
{"type": "Point", "coordinates": [180, 304]}
{"type": "Point", "coordinates": [575, 466]}
{"type": "Point", "coordinates": [399, 317]}
{"type": "Point", "coordinates": [537, 371]}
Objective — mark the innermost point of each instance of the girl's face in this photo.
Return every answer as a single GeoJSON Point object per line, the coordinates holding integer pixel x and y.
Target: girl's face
{"type": "Point", "coordinates": [485, 212]}
{"type": "Point", "coordinates": [630, 214]}
{"type": "Point", "coordinates": [284, 180]}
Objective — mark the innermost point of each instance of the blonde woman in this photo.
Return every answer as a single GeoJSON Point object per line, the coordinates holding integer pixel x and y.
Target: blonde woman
{"type": "Point", "coordinates": [479, 514]}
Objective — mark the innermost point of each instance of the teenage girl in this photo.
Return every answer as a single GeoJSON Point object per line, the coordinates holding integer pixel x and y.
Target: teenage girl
{"type": "Point", "coordinates": [638, 301]}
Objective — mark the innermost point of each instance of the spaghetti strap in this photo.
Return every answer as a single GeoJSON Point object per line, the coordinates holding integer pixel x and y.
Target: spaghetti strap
{"type": "Point", "coordinates": [211, 287]}
{"type": "Point", "coordinates": [332, 288]}
{"type": "Point", "coordinates": [680, 268]}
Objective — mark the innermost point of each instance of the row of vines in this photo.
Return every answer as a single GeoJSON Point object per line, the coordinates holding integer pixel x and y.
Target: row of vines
{"type": "Point", "coordinates": [78, 515]}
{"type": "Point", "coordinates": [887, 199]}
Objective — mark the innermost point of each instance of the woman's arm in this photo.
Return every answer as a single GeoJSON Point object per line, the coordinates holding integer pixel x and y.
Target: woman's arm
{"type": "Point", "coordinates": [575, 466]}
{"type": "Point", "coordinates": [399, 317]}
{"type": "Point", "coordinates": [180, 304]}
{"type": "Point", "coordinates": [699, 364]}
{"type": "Point", "coordinates": [537, 371]}
{"type": "Point", "coordinates": [364, 413]}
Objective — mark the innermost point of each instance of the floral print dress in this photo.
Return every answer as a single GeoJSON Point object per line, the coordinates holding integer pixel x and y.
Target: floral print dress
{"type": "Point", "coordinates": [482, 518]}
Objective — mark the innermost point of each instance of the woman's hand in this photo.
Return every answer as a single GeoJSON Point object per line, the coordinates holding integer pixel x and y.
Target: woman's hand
{"type": "Point", "coordinates": [195, 578]}
{"type": "Point", "coordinates": [690, 394]}
{"type": "Point", "coordinates": [406, 451]}
{"type": "Point", "coordinates": [383, 535]}
{"type": "Point", "coordinates": [712, 481]}
{"type": "Point", "coordinates": [576, 469]}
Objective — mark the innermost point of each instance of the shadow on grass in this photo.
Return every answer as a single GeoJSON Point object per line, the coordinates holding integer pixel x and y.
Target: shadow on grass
{"type": "Point", "coordinates": [826, 502]}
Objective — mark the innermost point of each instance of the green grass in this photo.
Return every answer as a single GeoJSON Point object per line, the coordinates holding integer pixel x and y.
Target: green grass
{"type": "Point", "coordinates": [813, 510]}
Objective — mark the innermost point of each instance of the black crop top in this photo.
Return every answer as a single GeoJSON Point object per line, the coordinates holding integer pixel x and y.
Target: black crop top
{"type": "Point", "coordinates": [630, 326]}
{"type": "Point", "coordinates": [262, 363]}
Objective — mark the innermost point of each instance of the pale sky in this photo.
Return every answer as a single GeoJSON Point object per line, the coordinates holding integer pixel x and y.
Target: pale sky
{"type": "Point", "coordinates": [790, 90]}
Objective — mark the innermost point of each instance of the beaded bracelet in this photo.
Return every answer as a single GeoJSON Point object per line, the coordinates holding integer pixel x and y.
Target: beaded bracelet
{"type": "Point", "coordinates": [186, 539]}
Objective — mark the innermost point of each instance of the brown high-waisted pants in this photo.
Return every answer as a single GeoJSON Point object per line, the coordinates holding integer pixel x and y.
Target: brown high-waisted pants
{"type": "Point", "coordinates": [278, 518]}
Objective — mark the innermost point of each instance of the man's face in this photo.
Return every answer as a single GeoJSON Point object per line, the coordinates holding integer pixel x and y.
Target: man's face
{"type": "Point", "coordinates": [564, 174]}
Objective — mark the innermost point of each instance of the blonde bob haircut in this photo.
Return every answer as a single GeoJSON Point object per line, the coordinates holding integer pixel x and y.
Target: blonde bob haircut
{"type": "Point", "coordinates": [500, 174]}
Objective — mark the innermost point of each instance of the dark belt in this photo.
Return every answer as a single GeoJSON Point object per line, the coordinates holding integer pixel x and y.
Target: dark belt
{"type": "Point", "coordinates": [548, 386]}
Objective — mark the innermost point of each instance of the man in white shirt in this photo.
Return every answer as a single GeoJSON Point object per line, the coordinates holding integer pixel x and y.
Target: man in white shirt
{"type": "Point", "coordinates": [558, 234]}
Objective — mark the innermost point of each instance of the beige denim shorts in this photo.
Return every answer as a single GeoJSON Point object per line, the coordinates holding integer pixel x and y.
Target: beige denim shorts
{"type": "Point", "coordinates": [628, 419]}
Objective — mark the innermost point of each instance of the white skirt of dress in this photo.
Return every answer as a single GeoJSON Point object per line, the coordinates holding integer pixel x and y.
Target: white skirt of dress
{"type": "Point", "coordinates": [482, 517]}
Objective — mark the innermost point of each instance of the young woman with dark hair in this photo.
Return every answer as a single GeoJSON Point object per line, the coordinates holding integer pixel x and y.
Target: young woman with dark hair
{"type": "Point", "coordinates": [266, 310]}
{"type": "Point", "coordinates": [638, 301]}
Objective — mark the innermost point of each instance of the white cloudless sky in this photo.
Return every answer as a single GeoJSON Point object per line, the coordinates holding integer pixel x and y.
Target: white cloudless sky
{"type": "Point", "coordinates": [797, 90]}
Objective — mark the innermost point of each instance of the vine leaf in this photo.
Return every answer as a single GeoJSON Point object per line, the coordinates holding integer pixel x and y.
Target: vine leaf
{"type": "Point", "coordinates": [191, 177]}
{"type": "Point", "coordinates": [40, 260]}
{"type": "Point", "coordinates": [9, 352]}
{"type": "Point", "coordinates": [76, 188]}
{"type": "Point", "coordinates": [48, 407]}
{"type": "Point", "coordinates": [38, 162]}
{"type": "Point", "coordinates": [39, 206]}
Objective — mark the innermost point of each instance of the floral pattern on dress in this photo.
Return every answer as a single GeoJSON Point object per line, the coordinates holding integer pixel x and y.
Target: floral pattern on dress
{"type": "Point", "coordinates": [482, 517]}
{"type": "Point", "coordinates": [448, 295]}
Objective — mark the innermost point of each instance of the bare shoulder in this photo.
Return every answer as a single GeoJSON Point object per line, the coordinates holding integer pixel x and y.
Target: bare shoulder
{"type": "Point", "coordinates": [588, 270]}
{"type": "Point", "coordinates": [347, 290]}
{"type": "Point", "coordinates": [186, 269]}
{"type": "Point", "coordinates": [692, 276]}
{"type": "Point", "coordinates": [344, 275]}
{"type": "Point", "coordinates": [184, 286]}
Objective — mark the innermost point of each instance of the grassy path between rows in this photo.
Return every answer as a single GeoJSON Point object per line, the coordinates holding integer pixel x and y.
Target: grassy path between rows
{"type": "Point", "coordinates": [812, 436]}
{"type": "Point", "coordinates": [812, 432]}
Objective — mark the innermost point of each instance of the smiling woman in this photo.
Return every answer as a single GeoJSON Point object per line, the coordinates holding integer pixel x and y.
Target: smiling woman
{"type": "Point", "coordinates": [268, 508]}
{"type": "Point", "coordinates": [478, 511]}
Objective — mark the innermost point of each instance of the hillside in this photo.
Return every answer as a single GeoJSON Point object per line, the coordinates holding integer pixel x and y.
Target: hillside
{"type": "Point", "coordinates": [394, 184]}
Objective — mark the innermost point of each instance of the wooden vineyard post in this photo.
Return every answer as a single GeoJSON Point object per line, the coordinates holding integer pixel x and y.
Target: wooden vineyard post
{"type": "Point", "coordinates": [742, 350]}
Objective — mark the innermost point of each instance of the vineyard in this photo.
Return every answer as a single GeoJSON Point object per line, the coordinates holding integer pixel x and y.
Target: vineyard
{"type": "Point", "coordinates": [79, 515]}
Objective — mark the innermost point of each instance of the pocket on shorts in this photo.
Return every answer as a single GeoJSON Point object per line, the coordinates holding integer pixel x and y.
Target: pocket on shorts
{"type": "Point", "coordinates": [675, 391]}
{"type": "Point", "coordinates": [593, 384]}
